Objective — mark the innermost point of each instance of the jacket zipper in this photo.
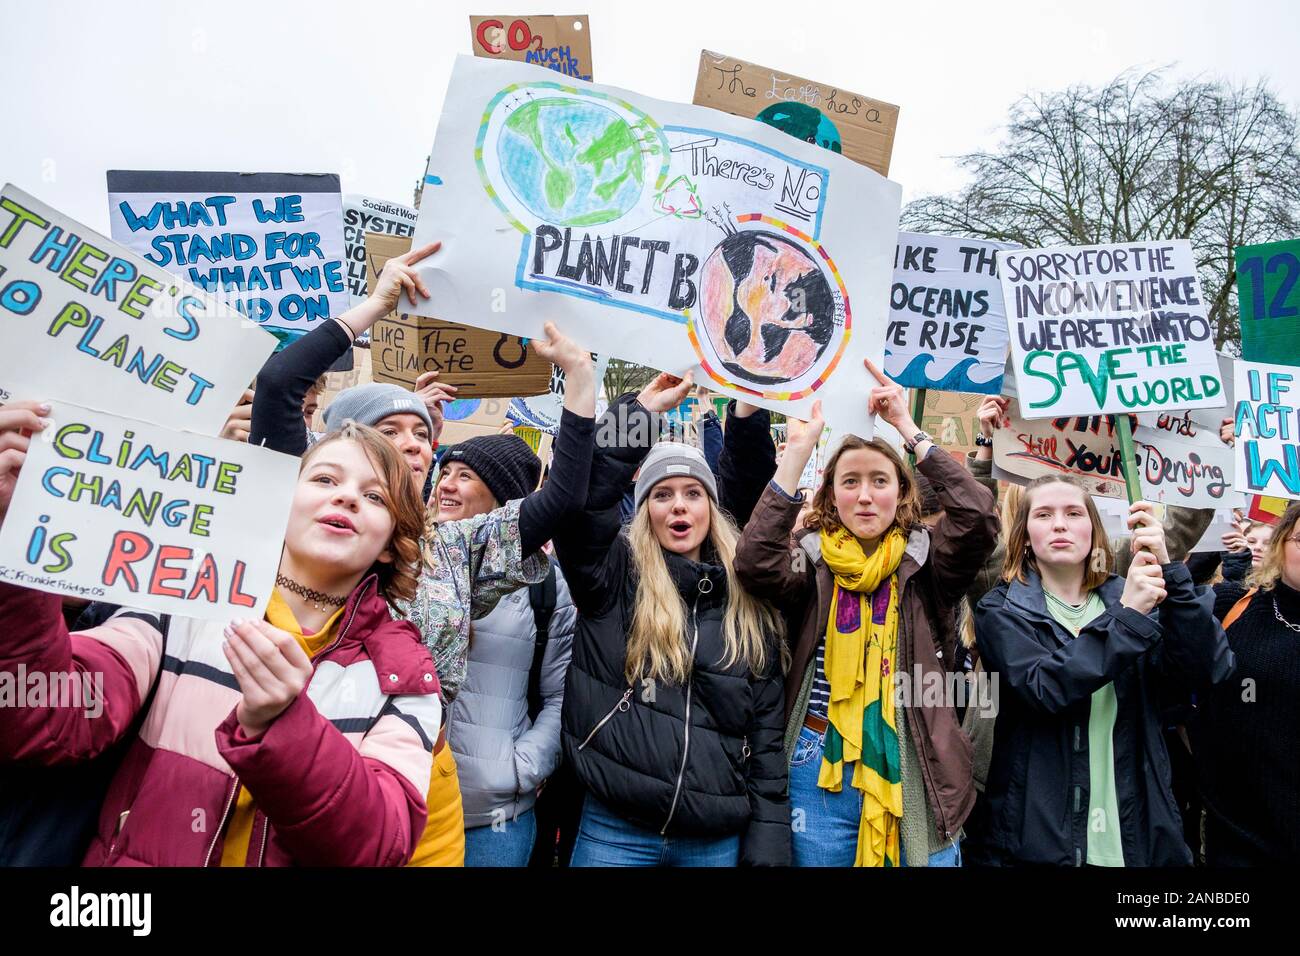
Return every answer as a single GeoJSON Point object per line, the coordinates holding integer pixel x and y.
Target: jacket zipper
{"type": "Point", "coordinates": [624, 704]}
{"type": "Point", "coordinates": [266, 823]}
{"type": "Point", "coordinates": [266, 830]}
{"type": "Point", "coordinates": [230, 802]}
{"type": "Point", "coordinates": [690, 686]}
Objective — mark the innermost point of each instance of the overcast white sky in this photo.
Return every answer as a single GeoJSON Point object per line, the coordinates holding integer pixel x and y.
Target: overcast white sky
{"type": "Point", "coordinates": [356, 86]}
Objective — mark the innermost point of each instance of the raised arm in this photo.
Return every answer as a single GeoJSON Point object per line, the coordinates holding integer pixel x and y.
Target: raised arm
{"type": "Point", "coordinates": [286, 378]}
{"type": "Point", "coordinates": [768, 562]}
{"type": "Point", "coordinates": [95, 680]}
{"type": "Point", "coordinates": [565, 492]}
{"type": "Point", "coordinates": [747, 461]}
{"type": "Point", "coordinates": [588, 546]}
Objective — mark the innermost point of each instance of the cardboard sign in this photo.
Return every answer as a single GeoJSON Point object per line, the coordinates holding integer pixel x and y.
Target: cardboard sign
{"type": "Point", "coordinates": [952, 418]}
{"type": "Point", "coordinates": [271, 243]}
{"type": "Point", "coordinates": [677, 237]}
{"type": "Point", "coordinates": [361, 215]}
{"type": "Point", "coordinates": [479, 363]}
{"type": "Point", "coordinates": [1268, 299]}
{"type": "Point", "coordinates": [1178, 461]}
{"type": "Point", "coordinates": [947, 324]}
{"type": "Point", "coordinates": [114, 510]}
{"type": "Point", "coordinates": [1266, 426]}
{"type": "Point", "coordinates": [1114, 328]}
{"type": "Point", "coordinates": [88, 322]}
{"type": "Point", "coordinates": [857, 126]}
{"type": "Point", "coordinates": [559, 43]}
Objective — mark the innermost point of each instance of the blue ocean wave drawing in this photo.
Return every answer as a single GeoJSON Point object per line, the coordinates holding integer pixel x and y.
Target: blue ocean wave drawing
{"type": "Point", "coordinates": [960, 378]}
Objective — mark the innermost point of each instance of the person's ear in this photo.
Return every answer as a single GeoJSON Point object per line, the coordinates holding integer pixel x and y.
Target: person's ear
{"type": "Point", "coordinates": [385, 556]}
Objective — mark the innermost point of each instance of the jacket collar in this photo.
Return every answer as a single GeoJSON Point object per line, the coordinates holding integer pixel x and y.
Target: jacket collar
{"type": "Point", "coordinates": [689, 576]}
{"type": "Point", "coordinates": [1027, 597]}
{"type": "Point", "coordinates": [918, 547]}
{"type": "Point", "coordinates": [400, 657]}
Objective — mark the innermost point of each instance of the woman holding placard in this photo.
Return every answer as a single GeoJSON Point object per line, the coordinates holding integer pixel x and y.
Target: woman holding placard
{"type": "Point", "coordinates": [1245, 733]}
{"type": "Point", "coordinates": [880, 777]}
{"type": "Point", "coordinates": [305, 738]}
{"type": "Point", "coordinates": [469, 564]}
{"type": "Point", "coordinates": [1082, 658]}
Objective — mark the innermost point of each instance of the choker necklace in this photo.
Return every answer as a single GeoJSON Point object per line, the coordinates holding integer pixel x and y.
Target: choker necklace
{"type": "Point", "coordinates": [320, 599]}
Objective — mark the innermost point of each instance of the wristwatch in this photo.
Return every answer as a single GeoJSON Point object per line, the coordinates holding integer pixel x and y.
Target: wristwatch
{"type": "Point", "coordinates": [983, 442]}
{"type": "Point", "coordinates": [909, 444]}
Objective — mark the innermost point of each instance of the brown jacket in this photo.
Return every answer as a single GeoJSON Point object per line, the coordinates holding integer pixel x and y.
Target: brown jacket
{"type": "Point", "coordinates": [937, 567]}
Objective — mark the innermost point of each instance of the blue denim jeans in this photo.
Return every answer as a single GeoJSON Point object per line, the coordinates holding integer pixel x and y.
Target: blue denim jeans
{"type": "Point", "coordinates": [606, 839]}
{"type": "Point", "coordinates": [511, 845]}
{"type": "Point", "coordinates": [825, 824]}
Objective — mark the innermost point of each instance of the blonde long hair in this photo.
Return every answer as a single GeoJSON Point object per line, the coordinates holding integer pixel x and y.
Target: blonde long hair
{"type": "Point", "coordinates": [658, 644]}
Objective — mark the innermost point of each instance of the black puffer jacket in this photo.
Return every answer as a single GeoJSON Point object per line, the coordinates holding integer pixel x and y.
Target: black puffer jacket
{"type": "Point", "coordinates": [703, 759]}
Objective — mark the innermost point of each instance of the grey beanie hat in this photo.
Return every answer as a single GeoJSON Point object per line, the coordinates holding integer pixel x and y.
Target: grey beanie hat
{"type": "Point", "coordinates": [371, 403]}
{"type": "Point", "coordinates": [671, 459]}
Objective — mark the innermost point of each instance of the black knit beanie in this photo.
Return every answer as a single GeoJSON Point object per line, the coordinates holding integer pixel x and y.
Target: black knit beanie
{"type": "Point", "coordinates": [504, 463]}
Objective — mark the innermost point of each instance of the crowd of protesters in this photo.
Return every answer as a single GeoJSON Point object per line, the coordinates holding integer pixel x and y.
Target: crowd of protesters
{"type": "Point", "coordinates": [666, 655]}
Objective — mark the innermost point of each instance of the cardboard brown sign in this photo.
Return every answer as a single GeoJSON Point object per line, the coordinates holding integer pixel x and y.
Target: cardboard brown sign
{"type": "Point", "coordinates": [849, 123]}
{"type": "Point", "coordinates": [479, 363]}
{"type": "Point", "coordinates": [560, 43]}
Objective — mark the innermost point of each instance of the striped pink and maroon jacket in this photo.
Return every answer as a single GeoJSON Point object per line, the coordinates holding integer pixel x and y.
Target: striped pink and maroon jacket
{"type": "Point", "coordinates": [339, 778]}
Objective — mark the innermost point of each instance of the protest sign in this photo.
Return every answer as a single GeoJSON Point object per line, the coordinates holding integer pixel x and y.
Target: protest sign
{"type": "Point", "coordinates": [677, 237]}
{"type": "Point", "coordinates": [1114, 328]}
{"type": "Point", "coordinates": [559, 43]}
{"type": "Point", "coordinates": [1178, 461]}
{"type": "Point", "coordinates": [952, 418]}
{"type": "Point", "coordinates": [361, 215]}
{"type": "Point", "coordinates": [114, 510]}
{"type": "Point", "coordinates": [1265, 423]}
{"type": "Point", "coordinates": [1268, 299]}
{"type": "Point", "coordinates": [947, 326]}
{"type": "Point", "coordinates": [857, 126]}
{"type": "Point", "coordinates": [469, 417]}
{"type": "Point", "coordinates": [481, 364]}
{"type": "Point", "coordinates": [1266, 508]}
{"type": "Point", "coordinates": [270, 243]}
{"type": "Point", "coordinates": [89, 322]}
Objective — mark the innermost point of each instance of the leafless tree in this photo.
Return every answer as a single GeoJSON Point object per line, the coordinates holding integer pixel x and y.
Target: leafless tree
{"type": "Point", "coordinates": [1142, 158]}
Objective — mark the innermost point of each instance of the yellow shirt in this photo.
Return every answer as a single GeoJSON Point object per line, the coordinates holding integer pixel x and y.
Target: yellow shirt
{"type": "Point", "coordinates": [240, 830]}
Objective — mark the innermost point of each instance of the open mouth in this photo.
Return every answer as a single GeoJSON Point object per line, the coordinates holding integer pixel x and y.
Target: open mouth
{"type": "Point", "coordinates": [680, 528]}
{"type": "Point", "coordinates": [448, 503]}
{"type": "Point", "coordinates": [340, 523]}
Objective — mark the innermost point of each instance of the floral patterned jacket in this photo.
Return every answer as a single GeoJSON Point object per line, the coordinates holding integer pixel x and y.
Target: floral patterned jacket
{"type": "Point", "coordinates": [469, 565]}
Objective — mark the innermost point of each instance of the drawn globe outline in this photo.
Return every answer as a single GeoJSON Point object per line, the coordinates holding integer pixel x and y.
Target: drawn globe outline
{"type": "Point", "coordinates": [647, 140]}
{"type": "Point", "coordinates": [828, 356]}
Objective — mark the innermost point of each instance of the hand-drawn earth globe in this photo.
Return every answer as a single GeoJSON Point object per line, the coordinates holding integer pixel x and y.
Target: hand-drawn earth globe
{"type": "Point", "coordinates": [766, 307]}
{"type": "Point", "coordinates": [803, 122]}
{"type": "Point", "coordinates": [572, 162]}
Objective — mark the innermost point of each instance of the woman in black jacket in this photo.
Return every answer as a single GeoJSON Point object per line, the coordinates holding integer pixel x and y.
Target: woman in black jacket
{"type": "Point", "coordinates": [1246, 731]}
{"type": "Point", "coordinates": [1080, 773]}
{"type": "Point", "coordinates": [673, 706]}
